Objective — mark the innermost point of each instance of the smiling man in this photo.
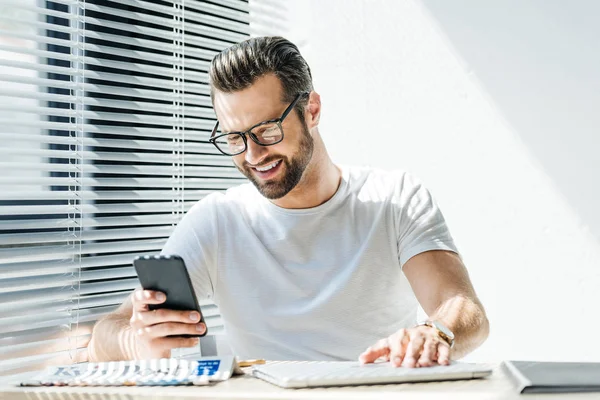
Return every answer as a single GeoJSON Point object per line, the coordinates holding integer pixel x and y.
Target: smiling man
{"type": "Point", "coordinates": [311, 260]}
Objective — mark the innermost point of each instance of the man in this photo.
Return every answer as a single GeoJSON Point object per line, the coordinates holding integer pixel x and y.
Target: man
{"type": "Point", "coordinates": [310, 261]}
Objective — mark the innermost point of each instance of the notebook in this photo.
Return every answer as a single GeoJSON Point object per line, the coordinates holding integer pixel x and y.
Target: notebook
{"type": "Point", "coordinates": [157, 372]}
{"type": "Point", "coordinates": [301, 374]}
{"type": "Point", "coordinates": [553, 377]}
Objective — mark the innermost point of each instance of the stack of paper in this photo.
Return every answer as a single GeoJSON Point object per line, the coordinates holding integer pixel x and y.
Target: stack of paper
{"type": "Point", "coordinates": [158, 372]}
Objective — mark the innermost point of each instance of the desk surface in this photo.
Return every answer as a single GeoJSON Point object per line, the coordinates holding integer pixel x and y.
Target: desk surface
{"type": "Point", "coordinates": [496, 386]}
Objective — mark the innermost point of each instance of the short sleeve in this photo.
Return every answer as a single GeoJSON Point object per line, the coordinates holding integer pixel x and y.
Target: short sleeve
{"type": "Point", "coordinates": [420, 225]}
{"type": "Point", "coordinates": [195, 239]}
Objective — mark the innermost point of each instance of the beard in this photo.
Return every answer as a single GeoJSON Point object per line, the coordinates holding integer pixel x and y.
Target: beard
{"type": "Point", "coordinates": [293, 171]}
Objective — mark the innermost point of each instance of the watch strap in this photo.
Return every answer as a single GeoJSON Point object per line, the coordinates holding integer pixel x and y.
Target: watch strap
{"type": "Point", "coordinates": [441, 334]}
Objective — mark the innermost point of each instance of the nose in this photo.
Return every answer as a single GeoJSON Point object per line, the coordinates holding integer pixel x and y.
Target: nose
{"type": "Point", "coordinates": [255, 153]}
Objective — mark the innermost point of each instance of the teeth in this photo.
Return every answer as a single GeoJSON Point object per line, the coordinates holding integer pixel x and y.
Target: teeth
{"type": "Point", "coordinates": [268, 167]}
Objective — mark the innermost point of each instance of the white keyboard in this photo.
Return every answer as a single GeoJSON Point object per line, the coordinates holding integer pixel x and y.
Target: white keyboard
{"type": "Point", "coordinates": [294, 374]}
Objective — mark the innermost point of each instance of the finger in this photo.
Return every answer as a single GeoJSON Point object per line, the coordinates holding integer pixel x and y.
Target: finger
{"type": "Point", "coordinates": [141, 299]}
{"type": "Point", "coordinates": [380, 349]}
{"type": "Point", "coordinates": [429, 355]}
{"type": "Point", "coordinates": [164, 315]}
{"type": "Point", "coordinates": [443, 357]}
{"type": "Point", "coordinates": [398, 344]}
{"type": "Point", "coordinates": [414, 349]}
{"type": "Point", "coordinates": [171, 329]}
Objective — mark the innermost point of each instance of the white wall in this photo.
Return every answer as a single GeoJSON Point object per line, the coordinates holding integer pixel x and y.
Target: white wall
{"type": "Point", "coordinates": [494, 105]}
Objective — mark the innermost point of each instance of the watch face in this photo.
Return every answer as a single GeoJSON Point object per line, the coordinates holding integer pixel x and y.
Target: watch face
{"type": "Point", "coordinates": [442, 328]}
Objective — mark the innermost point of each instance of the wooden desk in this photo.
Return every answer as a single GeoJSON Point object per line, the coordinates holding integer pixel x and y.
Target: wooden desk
{"type": "Point", "coordinates": [495, 386]}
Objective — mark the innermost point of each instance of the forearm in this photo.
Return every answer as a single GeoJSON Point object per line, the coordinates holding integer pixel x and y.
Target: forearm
{"type": "Point", "coordinates": [112, 340]}
{"type": "Point", "coordinates": [466, 318]}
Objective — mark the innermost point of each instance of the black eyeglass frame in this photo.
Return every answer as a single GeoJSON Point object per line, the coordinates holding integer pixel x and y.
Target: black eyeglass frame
{"type": "Point", "coordinates": [248, 132]}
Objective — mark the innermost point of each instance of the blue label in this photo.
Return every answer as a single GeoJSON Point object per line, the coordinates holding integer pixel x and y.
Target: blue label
{"type": "Point", "coordinates": [207, 367]}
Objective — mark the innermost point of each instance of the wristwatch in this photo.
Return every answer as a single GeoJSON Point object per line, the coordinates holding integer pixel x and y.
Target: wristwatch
{"type": "Point", "coordinates": [443, 332]}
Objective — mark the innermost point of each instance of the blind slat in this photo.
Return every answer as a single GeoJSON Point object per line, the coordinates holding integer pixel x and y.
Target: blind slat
{"type": "Point", "coordinates": [116, 208]}
{"type": "Point", "coordinates": [50, 294]}
{"type": "Point", "coordinates": [207, 159]}
{"type": "Point", "coordinates": [238, 5]}
{"type": "Point", "coordinates": [121, 104]}
{"type": "Point", "coordinates": [112, 143]}
{"type": "Point", "coordinates": [126, 68]}
{"type": "Point", "coordinates": [101, 222]}
{"type": "Point", "coordinates": [193, 183]}
{"type": "Point", "coordinates": [47, 308]}
{"type": "Point", "coordinates": [64, 280]}
{"type": "Point", "coordinates": [97, 195]}
{"type": "Point", "coordinates": [240, 14]}
{"type": "Point", "coordinates": [158, 120]}
{"type": "Point", "coordinates": [196, 136]}
{"type": "Point", "coordinates": [52, 252]}
{"type": "Point", "coordinates": [32, 268]}
{"type": "Point", "coordinates": [162, 79]}
{"type": "Point", "coordinates": [102, 234]}
{"type": "Point", "coordinates": [198, 124]}
{"type": "Point", "coordinates": [166, 170]}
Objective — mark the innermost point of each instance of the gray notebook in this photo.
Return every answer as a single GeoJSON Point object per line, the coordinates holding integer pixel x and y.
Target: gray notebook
{"type": "Point", "coordinates": [553, 377]}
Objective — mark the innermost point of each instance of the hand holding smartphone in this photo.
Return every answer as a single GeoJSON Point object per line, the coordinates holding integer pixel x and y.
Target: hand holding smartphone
{"type": "Point", "coordinates": [169, 275]}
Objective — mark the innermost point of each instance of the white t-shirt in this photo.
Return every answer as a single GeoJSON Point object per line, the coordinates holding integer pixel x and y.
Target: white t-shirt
{"type": "Point", "coordinates": [311, 284]}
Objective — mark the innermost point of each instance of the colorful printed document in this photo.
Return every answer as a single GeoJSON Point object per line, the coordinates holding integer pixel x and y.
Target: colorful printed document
{"type": "Point", "coordinates": [157, 372]}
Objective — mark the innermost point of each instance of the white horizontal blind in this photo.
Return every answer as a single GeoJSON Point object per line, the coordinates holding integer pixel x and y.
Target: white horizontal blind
{"type": "Point", "coordinates": [105, 115]}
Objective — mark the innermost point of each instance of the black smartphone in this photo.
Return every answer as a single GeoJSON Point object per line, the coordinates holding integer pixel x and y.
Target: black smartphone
{"type": "Point", "coordinates": [168, 274]}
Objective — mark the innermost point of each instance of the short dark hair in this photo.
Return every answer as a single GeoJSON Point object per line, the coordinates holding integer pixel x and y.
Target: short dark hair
{"type": "Point", "coordinates": [237, 67]}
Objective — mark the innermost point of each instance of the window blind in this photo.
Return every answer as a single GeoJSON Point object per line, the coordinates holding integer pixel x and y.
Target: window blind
{"type": "Point", "coordinates": [104, 122]}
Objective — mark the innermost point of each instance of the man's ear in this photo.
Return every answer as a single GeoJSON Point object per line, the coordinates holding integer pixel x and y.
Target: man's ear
{"type": "Point", "coordinates": [313, 110]}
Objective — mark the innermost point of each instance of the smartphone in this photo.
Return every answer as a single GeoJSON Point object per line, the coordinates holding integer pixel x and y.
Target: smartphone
{"type": "Point", "coordinates": [168, 274]}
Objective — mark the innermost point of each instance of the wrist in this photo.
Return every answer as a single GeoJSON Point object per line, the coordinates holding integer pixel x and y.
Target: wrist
{"type": "Point", "coordinates": [444, 333]}
{"type": "Point", "coordinates": [131, 346]}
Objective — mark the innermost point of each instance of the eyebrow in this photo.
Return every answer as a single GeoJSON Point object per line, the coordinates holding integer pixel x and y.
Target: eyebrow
{"type": "Point", "coordinates": [251, 126]}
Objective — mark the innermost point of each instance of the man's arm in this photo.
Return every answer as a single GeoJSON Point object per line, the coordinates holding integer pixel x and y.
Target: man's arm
{"type": "Point", "coordinates": [443, 288]}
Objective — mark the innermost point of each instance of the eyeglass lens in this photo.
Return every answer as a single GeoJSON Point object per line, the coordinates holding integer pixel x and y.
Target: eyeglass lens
{"type": "Point", "coordinates": [265, 134]}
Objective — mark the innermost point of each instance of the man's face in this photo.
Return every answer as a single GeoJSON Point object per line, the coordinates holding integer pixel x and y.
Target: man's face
{"type": "Point", "coordinates": [274, 170]}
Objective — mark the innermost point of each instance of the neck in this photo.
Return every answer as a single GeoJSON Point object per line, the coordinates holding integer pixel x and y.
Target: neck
{"type": "Point", "coordinates": [319, 182]}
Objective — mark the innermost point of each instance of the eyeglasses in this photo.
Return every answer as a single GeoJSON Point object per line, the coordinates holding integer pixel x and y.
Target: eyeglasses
{"type": "Point", "coordinates": [266, 133]}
